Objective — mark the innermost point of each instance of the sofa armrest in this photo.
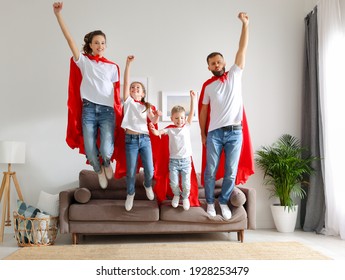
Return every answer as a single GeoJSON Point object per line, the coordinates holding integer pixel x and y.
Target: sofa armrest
{"type": "Point", "coordinates": [66, 198]}
{"type": "Point", "coordinates": [250, 205]}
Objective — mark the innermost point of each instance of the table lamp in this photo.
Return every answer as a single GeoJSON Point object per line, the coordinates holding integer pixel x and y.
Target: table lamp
{"type": "Point", "coordinates": [11, 152]}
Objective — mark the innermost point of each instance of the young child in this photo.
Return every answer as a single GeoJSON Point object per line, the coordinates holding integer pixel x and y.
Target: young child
{"type": "Point", "coordinates": [180, 152]}
{"type": "Point", "coordinates": [137, 114]}
{"type": "Point", "coordinates": [91, 99]}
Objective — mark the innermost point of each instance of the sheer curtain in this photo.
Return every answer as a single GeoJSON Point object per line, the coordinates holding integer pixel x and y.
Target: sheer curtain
{"type": "Point", "coordinates": [331, 35]}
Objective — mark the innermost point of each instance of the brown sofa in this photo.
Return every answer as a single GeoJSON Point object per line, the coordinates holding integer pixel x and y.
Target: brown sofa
{"type": "Point", "coordinates": [90, 210]}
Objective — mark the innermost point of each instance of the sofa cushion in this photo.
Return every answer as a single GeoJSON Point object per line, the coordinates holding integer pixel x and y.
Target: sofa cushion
{"type": "Point", "coordinates": [49, 203]}
{"type": "Point", "coordinates": [237, 198]}
{"type": "Point", "coordinates": [198, 214]}
{"type": "Point", "coordinates": [82, 195]}
{"type": "Point", "coordinates": [114, 210]}
{"type": "Point", "coordinates": [117, 188]}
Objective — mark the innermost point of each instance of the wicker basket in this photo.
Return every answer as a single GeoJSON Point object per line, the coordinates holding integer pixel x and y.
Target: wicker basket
{"type": "Point", "coordinates": [35, 231]}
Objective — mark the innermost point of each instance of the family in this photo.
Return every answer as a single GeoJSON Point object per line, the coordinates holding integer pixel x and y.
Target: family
{"type": "Point", "coordinates": [101, 115]}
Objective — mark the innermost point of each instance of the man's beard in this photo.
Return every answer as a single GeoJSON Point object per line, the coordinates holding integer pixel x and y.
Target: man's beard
{"type": "Point", "coordinates": [219, 73]}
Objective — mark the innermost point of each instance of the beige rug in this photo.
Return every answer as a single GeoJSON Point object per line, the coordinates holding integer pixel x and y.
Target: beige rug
{"type": "Point", "coordinates": [172, 251]}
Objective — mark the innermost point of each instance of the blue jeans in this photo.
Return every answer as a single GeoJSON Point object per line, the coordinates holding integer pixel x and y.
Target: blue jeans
{"type": "Point", "coordinates": [135, 145]}
{"type": "Point", "coordinates": [231, 142]}
{"type": "Point", "coordinates": [176, 167]}
{"type": "Point", "coordinates": [98, 117]}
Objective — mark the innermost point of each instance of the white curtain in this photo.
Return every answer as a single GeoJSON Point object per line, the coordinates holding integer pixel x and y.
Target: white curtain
{"type": "Point", "coordinates": [331, 34]}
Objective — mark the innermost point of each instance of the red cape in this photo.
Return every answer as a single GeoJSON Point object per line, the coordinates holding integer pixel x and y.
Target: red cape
{"type": "Point", "coordinates": [160, 149]}
{"type": "Point", "coordinates": [74, 137]}
{"type": "Point", "coordinates": [246, 161]}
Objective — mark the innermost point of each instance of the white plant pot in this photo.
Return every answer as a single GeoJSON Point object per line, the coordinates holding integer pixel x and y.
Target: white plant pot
{"type": "Point", "coordinates": [284, 219]}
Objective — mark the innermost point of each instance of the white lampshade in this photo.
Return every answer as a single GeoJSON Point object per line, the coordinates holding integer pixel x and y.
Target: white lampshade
{"type": "Point", "coordinates": [12, 152]}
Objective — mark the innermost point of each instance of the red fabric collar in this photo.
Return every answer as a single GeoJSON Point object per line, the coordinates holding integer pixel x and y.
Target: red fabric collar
{"type": "Point", "coordinates": [174, 126]}
{"type": "Point", "coordinates": [98, 58]}
{"type": "Point", "coordinates": [142, 103]}
{"type": "Point", "coordinates": [223, 77]}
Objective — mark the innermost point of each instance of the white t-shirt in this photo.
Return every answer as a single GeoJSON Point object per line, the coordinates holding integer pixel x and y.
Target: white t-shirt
{"type": "Point", "coordinates": [134, 117]}
{"type": "Point", "coordinates": [98, 80]}
{"type": "Point", "coordinates": [225, 100]}
{"type": "Point", "coordinates": [179, 141]}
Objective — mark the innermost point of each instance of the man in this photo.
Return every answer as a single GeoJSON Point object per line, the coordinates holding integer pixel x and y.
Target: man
{"type": "Point", "coordinates": [220, 120]}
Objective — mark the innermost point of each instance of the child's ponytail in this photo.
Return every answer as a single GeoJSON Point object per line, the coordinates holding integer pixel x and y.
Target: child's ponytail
{"type": "Point", "coordinates": [147, 104]}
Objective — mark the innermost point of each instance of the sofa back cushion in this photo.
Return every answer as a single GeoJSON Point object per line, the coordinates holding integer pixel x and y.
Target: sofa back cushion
{"type": "Point", "coordinates": [117, 188]}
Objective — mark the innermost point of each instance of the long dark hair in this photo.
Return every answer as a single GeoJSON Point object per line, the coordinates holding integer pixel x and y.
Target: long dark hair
{"type": "Point", "coordinates": [88, 40]}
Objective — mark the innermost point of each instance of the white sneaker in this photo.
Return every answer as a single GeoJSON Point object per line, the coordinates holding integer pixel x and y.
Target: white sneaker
{"type": "Point", "coordinates": [210, 210]}
{"type": "Point", "coordinates": [186, 204]}
{"type": "Point", "coordinates": [108, 172]}
{"type": "Point", "coordinates": [149, 193]}
{"type": "Point", "coordinates": [175, 201]}
{"type": "Point", "coordinates": [129, 202]}
{"type": "Point", "coordinates": [226, 213]}
{"type": "Point", "coordinates": [103, 182]}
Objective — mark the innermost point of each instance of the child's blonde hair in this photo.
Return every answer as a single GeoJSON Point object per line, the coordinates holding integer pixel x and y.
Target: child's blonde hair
{"type": "Point", "coordinates": [177, 109]}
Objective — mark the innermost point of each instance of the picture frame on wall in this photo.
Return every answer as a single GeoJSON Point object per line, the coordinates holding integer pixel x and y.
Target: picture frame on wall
{"type": "Point", "coordinates": [173, 98]}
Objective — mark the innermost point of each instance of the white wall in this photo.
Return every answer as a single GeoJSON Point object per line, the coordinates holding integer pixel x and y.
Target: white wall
{"type": "Point", "coordinates": [171, 40]}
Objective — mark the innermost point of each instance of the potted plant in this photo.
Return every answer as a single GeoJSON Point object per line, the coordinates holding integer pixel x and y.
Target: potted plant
{"type": "Point", "coordinates": [285, 165]}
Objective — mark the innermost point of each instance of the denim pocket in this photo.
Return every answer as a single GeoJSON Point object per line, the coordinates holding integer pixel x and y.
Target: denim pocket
{"type": "Point", "coordinates": [128, 139]}
{"type": "Point", "coordinates": [107, 110]}
{"type": "Point", "coordinates": [237, 132]}
{"type": "Point", "coordinates": [146, 140]}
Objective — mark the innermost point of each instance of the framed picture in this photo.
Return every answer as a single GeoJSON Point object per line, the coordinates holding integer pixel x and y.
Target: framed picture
{"type": "Point", "coordinates": [173, 98]}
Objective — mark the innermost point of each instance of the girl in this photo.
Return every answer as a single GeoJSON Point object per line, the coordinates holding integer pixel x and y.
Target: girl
{"type": "Point", "coordinates": [136, 115]}
{"type": "Point", "coordinates": [96, 93]}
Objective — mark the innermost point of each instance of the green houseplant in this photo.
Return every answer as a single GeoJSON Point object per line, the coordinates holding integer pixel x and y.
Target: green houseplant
{"type": "Point", "coordinates": [285, 164]}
